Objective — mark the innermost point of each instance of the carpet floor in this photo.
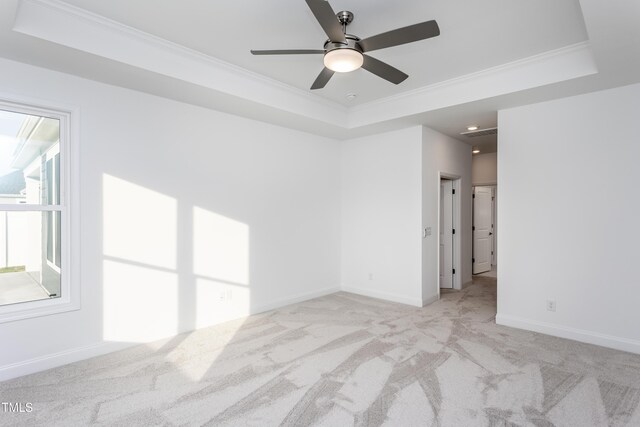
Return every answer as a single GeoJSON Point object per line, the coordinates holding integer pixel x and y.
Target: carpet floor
{"type": "Point", "coordinates": [345, 360]}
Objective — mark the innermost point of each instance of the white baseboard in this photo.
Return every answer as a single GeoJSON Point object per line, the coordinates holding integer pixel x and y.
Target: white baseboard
{"type": "Point", "coordinates": [55, 360]}
{"type": "Point", "coordinates": [261, 308]}
{"type": "Point", "coordinates": [61, 358]}
{"type": "Point", "coordinates": [416, 302]}
{"type": "Point", "coordinates": [430, 300]}
{"type": "Point", "coordinates": [581, 335]}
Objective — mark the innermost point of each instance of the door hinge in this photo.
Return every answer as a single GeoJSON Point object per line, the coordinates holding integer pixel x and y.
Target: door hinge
{"type": "Point", "coordinates": [474, 196]}
{"type": "Point", "coordinates": [473, 260]}
{"type": "Point", "coordinates": [473, 228]}
{"type": "Point", "coordinates": [453, 191]}
{"type": "Point", "coordinates": [454, 271]}
{"type": "Point", "coordinates": [491, 252]}
{"type": "Point", "coordinates": [454, 231]}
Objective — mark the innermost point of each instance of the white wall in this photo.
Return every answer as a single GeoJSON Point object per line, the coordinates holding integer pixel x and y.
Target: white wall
{"type": "Point", "coordinates": [381, 216]}
{"type": "Point", "coordinates": [390, 192]}
{"type": "Point", "coordinates": [189, 217]}
{"type": "Point", "coordinates": [443, 155]}
{"type": "Point", "coordinates": [484, 169]}
{"type": "Point", "coordinates": [180, 206]}
{"type": "Point", "coordinates": [568, 207]}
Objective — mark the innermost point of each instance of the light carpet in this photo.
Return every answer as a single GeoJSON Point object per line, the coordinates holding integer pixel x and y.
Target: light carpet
{"type": "Point", "coordinates": [345, 360]}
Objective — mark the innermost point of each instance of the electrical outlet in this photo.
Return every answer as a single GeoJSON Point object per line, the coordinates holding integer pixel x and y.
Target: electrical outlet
{"type": "Point", "coordinates": [225, 295]}
{"type": "Point", "coordinates": [551, 305]}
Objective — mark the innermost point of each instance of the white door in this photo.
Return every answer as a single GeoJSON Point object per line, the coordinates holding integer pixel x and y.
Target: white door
{"type": "Point", "coordinates": [446, 234]}
{"type": "Point", "coordinates": [482, 240]}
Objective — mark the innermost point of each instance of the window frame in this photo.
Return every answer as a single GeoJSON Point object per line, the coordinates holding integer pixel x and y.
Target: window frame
{"type": "Point", "coordinates": [69, 300]}
{"type": "Point", "coordinates": [51, 157]}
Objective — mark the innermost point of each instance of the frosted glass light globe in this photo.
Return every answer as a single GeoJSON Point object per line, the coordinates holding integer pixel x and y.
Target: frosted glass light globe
{"type": "Point", "coordinates": [343, 60]}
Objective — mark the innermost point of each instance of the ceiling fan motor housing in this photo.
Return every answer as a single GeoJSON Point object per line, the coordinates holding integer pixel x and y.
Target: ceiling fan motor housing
{"type": "Point", "coordinates": [352, 43]}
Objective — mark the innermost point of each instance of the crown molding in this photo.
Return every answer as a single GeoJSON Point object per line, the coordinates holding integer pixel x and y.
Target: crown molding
{"type": "Point", "coordinates": [62, 23]}
{"type": "Point", "coordinates": [259, 96]}
{"type": "Point", "coordinates": [549, 67]}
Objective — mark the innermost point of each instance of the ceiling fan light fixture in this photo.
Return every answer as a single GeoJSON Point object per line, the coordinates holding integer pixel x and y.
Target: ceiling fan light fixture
{"type": "Point", "coordinates": [345, 52]}
{"type": "Point", "coordinates": [343, 60]}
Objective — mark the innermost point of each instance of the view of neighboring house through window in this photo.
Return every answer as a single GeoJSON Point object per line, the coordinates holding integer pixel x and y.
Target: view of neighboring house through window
{"type": "Point", "coordinates": [31, 208]}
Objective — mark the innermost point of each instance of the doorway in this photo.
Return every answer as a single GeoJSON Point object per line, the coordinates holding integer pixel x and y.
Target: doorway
{"type": "Point", "coordinates": [484, 229]}
{"type": "Point", "coordinates": [448, 240]}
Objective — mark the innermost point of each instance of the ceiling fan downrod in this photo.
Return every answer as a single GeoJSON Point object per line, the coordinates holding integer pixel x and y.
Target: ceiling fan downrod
{"type": "Point", "coordinates": [345, 17]}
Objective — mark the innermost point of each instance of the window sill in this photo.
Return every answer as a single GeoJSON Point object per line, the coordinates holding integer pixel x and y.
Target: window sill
{"type": "Point", "coordinates": [31, 309]}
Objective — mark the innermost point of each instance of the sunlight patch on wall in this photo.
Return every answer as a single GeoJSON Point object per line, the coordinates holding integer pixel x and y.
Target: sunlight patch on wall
{"type": "Point", "coordinates": [221, 265]}
{"type": "Point", "coordinates": [140, 284]}
{"type": "Point", "coordinates": [140, 304]}
{"type": "Point", "coordinates": [220, 247]}
{"type": "Point", "coordinates": [139, 224]}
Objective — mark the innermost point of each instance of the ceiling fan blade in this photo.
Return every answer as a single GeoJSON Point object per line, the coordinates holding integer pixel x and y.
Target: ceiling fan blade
{"type": "Point", "coordinates": [404, 35]}
{"type": "Point", "coordinates": [287, 52]}
{"type": "Point", "coordinates": [323, 78]}
{"type": "Point", "coordinates": [327, 19]}
{"type": "Point", "coordinates": [384, 70]}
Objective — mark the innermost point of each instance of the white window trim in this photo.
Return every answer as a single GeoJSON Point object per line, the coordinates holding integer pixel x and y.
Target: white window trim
{"type": "Point", "coordinates": [70, 208]}
{"type": "Point", "coordinates": [50, 155]}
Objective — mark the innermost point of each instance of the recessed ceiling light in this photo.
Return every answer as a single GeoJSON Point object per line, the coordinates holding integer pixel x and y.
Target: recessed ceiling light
{"type": "Point", "coordinates": [476, 151]}
{"type": "Point", "coordinates": [474, 127]}
{"type": "Point", "coordinates": [351, 96]}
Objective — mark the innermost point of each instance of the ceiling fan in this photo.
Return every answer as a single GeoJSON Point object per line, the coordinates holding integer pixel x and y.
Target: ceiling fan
{"type": "Point", "coordinates": [345, 52]}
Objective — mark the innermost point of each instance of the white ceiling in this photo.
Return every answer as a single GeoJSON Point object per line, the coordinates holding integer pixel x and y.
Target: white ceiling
{"type": "Point", "coordinates": [491, 55]}
{"type": "Point", "coordinates": [475, 35]}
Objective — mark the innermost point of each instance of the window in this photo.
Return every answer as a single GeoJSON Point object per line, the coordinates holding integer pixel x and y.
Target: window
{"type": "Point", "coordinates": [34, 212]}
